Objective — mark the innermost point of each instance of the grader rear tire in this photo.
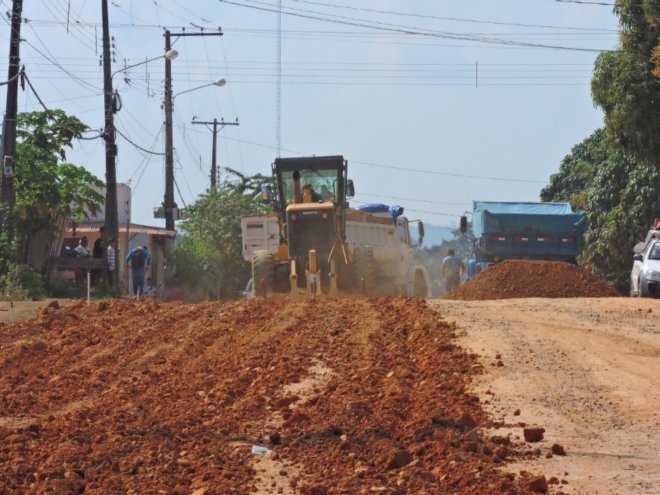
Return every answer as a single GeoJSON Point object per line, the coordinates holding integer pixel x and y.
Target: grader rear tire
{"type": "Point", "coordinates": [365, 269]}
{"type": "Point", "coordinates": [263, 269]}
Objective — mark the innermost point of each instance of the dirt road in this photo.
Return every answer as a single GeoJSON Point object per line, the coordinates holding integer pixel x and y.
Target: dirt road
{"type": "Point", "coordinates": [586, 370]}
{"type": "Point", "coordinates": [390, 396]}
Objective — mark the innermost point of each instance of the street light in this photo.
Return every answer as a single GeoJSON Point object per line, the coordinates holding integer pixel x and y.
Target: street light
{"type": "Point", "coordinates": [218, 82]}
{"type": "Point", "coordinates": [168, 201]}
{"type": "Point", "coordinates": [111, 223]}
{"type": "Point", "coordinates": [169, 55]}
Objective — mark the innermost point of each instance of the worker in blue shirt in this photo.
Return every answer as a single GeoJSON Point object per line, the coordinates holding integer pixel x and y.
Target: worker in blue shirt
{"type": "Point", "coordinates": [139, 258]}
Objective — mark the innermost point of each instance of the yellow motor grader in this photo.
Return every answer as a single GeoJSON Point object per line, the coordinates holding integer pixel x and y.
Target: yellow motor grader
{"type": "Point", "coordinates": [316, 244]}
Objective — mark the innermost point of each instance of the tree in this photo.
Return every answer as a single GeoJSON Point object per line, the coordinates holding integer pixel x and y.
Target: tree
{"type": "Point", "coordinates": [621, 200]}
{"type": "Point", "coordinates": [47, 186]}
{"type": "Point", "coordinates": [620, 196]}
{"type": "Point", "coordinates": [624, 85]}
{"type": "Point", "coordinates": [576, 172]}
{"type": "Point", "coordinates": [210, 255]}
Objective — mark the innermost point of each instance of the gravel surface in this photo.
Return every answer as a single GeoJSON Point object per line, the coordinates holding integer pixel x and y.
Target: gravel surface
{"type": "Point", "coordinates": [347, 396]}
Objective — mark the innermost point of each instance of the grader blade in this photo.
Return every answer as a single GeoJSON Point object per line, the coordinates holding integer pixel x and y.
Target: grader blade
{"type": "Point", "coordinates": [293, 280]}
{"type": "Point", "coordinates": [313, 275]}
{"type": "Point", "coordinates": [332, 290]}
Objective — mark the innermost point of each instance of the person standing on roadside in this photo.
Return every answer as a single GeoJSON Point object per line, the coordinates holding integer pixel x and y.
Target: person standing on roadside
{"type": "Point", "coordinates": [97, 253]}
{"type": "Point", "coordinates": [111, 261]}
{"type": "Point", "coordinates": [139, 258]}
{"type": "Point", "coordinates": [81, 251]}
{"type": "Point", "coordinates": [452, 269]}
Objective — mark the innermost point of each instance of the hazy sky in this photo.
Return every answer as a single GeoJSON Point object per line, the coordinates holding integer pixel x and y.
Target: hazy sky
{"type": "Point", "coordinates": [434, 103]}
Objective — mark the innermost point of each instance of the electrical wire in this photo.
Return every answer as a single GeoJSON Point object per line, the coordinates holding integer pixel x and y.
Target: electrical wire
{"type": "Point", "coordinates": [145, 150]}
{"type": "Point", "coordinates": [453, 19]}
{"type": "Point", "coordinates": [392, 167]}
{"type": "Point", "coordinates": [318, 16]}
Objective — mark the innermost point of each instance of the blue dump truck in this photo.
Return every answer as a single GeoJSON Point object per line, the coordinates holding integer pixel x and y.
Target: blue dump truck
{"type": "Point", "coordinates": [525, 231]}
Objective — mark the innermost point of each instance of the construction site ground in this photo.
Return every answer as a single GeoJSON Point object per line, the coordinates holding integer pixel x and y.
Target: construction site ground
{"type": "Point", "coordinates": [586, 370]}
{"type": "Point", "coordinates": [344, 396]}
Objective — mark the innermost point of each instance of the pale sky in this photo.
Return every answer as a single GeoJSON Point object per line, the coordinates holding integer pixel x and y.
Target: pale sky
{"type": "Point", "coordinates": [434, 103]}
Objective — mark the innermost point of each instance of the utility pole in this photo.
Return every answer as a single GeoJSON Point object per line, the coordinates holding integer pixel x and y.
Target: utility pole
{"type": "Point", "coordinates": [9, 130]}
{"type": "Point", "coordinates": [111, 215]}
{"type": "Point", "coordinates": [168, 204]}
{"type": "Point", "coordinates": [215, 124]}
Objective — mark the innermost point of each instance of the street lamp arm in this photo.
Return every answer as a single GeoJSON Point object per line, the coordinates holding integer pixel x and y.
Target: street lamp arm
{"type": "Point", "coordinates": [219, 83]}
{"type": "Point", "coordinates": [170, 55]}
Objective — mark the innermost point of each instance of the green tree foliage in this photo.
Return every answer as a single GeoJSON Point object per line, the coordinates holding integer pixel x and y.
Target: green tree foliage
{"type": "Point", "coordinates": [577, 171]}
{"type": "Point", "coordinates": [620, 196]}
{"type": "Point", "coordinates": [624, 196]}
{"type": "Point", "coordinates": [615, 173]}
{"type": "Point", "coordinates": [45, 185]}
{"type": "Point", "coordinates": [624, 86]}
{"type": "Point", "coordinates": [210, 255]}
{"type": "Point", "coordinates": [622, 200]}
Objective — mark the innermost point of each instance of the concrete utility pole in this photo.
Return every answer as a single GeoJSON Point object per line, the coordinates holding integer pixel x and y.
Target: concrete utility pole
{"type": "Point", "coordinates": [111, 214]}
{"type": "Point", "coordinates": [168, 204]}
{"type": "Point", "coordinates": [215, 124]}
{"type": "Point", "coordinates": [9, 130]}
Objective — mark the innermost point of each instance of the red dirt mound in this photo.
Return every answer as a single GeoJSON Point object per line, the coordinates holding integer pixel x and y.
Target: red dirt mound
{"type": "Point", "coordinates": [517, 278]}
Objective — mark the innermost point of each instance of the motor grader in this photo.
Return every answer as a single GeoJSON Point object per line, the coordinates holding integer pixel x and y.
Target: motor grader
{"type": "Point", "coordinates": [314, 243]}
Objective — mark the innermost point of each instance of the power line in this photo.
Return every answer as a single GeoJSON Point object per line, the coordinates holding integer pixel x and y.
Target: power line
{"type": "Point", "coordinates": [449, 174]}
{"type": "Point", "coordinates": [453, 19]}
{"type": "Point", "coordinates": [349, 21]}
{"type": "Point", "coordinates": [403, 169]}
{"type": "Point", "coordinates": [586, 2]}
{"type": "Point", "coordinates": [418, 200]}
{"type": "Point", "coordinates": [145, 150]}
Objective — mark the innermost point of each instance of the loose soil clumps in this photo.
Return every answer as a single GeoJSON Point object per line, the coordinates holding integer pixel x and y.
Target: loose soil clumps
{"type": "Point", "coordinates": [146, 397]}
{"type": "Point", "coordinates": [517, 278]}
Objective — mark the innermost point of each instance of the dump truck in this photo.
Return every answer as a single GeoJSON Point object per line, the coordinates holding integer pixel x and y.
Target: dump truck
{"type": "Point", "coordinates": [315, 243]}
{"type": "Point", "coordinates": [529, 231]}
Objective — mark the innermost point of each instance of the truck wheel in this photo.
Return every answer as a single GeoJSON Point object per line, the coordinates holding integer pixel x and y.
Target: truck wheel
{"type": "Point", "coordinates": [365, 269]}
{"type": "Point", "coordinates": [262, 269]}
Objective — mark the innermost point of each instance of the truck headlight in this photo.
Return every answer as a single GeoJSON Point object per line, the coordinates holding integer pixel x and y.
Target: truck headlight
{"type": "Point", "coordinates": [652, 274]}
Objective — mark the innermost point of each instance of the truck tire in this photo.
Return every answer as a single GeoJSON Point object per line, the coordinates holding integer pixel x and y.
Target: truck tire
{"type": "Point", "coordinates": [365, 269]}
{"type": "Point", "coordinates": [262, 269]}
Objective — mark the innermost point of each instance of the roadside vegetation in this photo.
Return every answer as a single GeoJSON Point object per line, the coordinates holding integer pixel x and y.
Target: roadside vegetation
{"type": "Point", "coordinates": [209, 253]}
{"type": "Point", "coordinates": [614, 174]}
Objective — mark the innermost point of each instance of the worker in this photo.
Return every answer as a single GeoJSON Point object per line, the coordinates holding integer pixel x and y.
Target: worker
{"type": "Point", "coordinates": [326, 195]}
{"type": "Point", "coordinates": [452, 269]}
{"type": "Point", "coordinates": [310, 195]}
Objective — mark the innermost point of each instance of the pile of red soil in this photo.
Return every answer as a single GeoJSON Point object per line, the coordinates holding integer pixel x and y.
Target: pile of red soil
{"type": "Point", "coordinates": [516, 279]}
{"type": "Point", "coordinates": [352, 395]}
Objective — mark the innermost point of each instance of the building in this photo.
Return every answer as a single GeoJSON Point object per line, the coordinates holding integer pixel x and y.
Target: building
{"type": "Point", "coordinates": [130, 235]}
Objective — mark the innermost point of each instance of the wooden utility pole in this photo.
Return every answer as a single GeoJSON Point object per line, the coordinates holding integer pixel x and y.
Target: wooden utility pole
{"type": "Point", "coordinates": [168, 204]}
{"type": "Point", "coordinates": [111, 234]}
{"type": "Point", "coordinates": [215, 124]}
{"type": "Point", "coordinates": [9, 130]}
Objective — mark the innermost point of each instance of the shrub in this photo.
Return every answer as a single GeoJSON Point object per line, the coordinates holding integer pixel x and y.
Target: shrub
{"type": "Point", "coordinates": [20, 282]}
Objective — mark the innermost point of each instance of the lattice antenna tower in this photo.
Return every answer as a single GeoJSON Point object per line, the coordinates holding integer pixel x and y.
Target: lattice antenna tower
{"type": "Point", "coordinates": [278, 81]}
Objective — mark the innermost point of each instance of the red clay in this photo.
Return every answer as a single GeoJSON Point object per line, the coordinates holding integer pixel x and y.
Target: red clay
{"type": "Point", "coordinates": [516, 279]}
{"type": "Point", "coordinates": [149, 398]}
